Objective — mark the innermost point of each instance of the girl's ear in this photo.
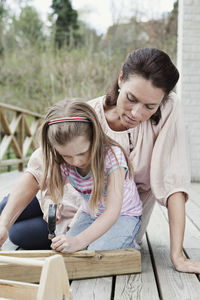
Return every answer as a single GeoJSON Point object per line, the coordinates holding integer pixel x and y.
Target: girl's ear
{"type": "Point", "coordinates": [120, 79]}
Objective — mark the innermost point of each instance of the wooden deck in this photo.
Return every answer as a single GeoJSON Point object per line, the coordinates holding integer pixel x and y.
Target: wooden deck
{"type": "Point", "coordinates": [158, 279]}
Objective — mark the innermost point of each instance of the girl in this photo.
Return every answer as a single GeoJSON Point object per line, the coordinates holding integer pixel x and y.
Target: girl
{"type": "Point", "coordinates": [76, 150]}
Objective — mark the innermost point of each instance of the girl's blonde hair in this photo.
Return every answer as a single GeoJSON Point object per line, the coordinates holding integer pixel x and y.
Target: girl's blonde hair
{"type": "Point", "coordinates": [61, 134]}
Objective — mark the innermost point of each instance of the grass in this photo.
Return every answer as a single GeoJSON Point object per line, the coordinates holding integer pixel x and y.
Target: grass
{"type": "Point", "coordinates": [35, 80]}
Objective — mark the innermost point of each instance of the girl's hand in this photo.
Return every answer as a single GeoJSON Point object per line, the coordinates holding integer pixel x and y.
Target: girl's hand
{"type": "Point", "coordinates": [65, 244]}
{"type": "Point", "coordinates": [183, 264]}
{"type": "Point", "coordinates": [3, 235]}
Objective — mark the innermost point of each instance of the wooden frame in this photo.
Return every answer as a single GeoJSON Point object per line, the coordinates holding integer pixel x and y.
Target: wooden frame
{"type": "Point", "coordinates": [81, 264]}
{"type": "Point", "coordinates": [54, 283]}
{"type": "Point", "coordinates": [19, 133]}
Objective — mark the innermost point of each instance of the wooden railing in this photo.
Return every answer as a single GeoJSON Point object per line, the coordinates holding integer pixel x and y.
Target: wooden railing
{"type": "Point", "coordinates": [18, 133]}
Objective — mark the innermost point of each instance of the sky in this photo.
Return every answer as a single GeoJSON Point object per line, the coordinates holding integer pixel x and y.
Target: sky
{"type": "Point", "coordinates": [100, 14]}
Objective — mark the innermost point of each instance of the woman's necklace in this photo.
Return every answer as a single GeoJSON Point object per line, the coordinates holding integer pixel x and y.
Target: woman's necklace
{"type": "Point", "coordinates": [130, 142]}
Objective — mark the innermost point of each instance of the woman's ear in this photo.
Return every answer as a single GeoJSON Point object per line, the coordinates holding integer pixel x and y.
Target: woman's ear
{"type": "Point", "coordinates": [120, 79]}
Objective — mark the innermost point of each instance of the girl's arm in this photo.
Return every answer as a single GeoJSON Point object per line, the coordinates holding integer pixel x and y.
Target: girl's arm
{"type": "Point", "coordinates": [20, 197]}
{"type": "Point", "coordinates": [114, 199]}
{"type": "Point", "coordinates": [176, 213]}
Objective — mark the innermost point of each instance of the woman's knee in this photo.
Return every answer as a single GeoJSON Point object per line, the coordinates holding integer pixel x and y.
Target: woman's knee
{"type": "Point", "coordinates": [30, 234]}
{"type": "Point", "coordinates": [32, 210]}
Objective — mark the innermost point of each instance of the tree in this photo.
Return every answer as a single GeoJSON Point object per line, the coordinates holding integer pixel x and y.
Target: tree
{"type": "Point", "coordinates": [171, 32]}
{"type": "Point", "coordinates": [2, 14]}
{"type": "Point", "coordinates": [28, 27]}
{"type": "Point", "coordinates": [66, 24]}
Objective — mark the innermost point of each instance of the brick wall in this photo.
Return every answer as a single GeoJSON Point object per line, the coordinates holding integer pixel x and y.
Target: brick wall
{"type": "Point", "coordinates": [188, 63]}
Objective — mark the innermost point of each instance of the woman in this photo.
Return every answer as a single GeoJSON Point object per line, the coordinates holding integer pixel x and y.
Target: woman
{"type": "Point", "coordinates": [143, 115]}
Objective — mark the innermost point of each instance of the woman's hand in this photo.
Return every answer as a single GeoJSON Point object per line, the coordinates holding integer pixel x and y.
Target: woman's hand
{"type": "Point", "coordinates": [3, 234]}
{"type": "Point", "coordinates": [183, 264]}
{"type": "Point", "coordinates": [65, 244]}
{"type": "Point", "coordinates": [176, 213]}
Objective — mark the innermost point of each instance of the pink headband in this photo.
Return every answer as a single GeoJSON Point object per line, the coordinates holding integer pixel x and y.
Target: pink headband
{"type": "Point", "coordinates": [71, 119]}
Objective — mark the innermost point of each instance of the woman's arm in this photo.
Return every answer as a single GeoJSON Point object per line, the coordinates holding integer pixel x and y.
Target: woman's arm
{"type": "Point", "coordinates": [114, 199]}
{"type": "Point", "coordinates": [176, 213]}
{"type": "Point", "coordinates": [24, 191]}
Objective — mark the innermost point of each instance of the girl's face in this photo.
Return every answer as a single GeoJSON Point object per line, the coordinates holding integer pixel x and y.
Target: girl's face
{"type": "Point", "coordinates": [77, 153]}
{"type": "Point", "coordinates": [138, 100]}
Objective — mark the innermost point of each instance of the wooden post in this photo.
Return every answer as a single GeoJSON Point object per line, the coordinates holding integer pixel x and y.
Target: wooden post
{"type": "Point", "coordinates": [54, 283]}
{"type": "Point", "coordinates": [21, 141]}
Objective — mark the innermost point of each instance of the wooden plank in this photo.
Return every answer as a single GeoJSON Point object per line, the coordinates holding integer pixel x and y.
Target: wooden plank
{"type": "Point", "coordinates": [15, 123]}
{"type": "Point", "coordinates": [19, 290]}
{"type": "Point", "coordinates": [4, 145]}
{"type": "Point", "coordinates": [26, 127]}
{"type": "Point", "coordinates": [16, 147]}
{"type": "Point", "coordinates": [172, 284]}
{"type": "Point", "coordinates": [4, 122]}
{"type": "Point", "coordinates": [27, 143]}
{"type": "Point", "coordinates": [20, 273]}
{"type": "Point", "coordinates": [20, 140]}
{"type": "Point", "coordinates": [15, 108]}
{"type": "Point", "coordinates": [54, 282]}
{"type": "Point", "coordinates": [9, 140]}
{"type": "Point", "coordinates": [21, 261]}
{"type": "Point", "coordinates": [41, 254]}
{"type": "Point", "coordinates": [138, 286]}
{"type": "Point", "coordinates": [90, 289]}
{"type": "Point", "coordinates": [103, 263]}
{"type": "Point", "coordinates": [14, 161]}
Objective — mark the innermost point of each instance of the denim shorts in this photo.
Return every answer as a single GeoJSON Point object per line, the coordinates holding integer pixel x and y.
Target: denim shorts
{"type": "Point", "coordinates": [121, 235]}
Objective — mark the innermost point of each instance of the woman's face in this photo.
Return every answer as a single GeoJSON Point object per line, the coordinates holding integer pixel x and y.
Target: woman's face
{"type": "Point", "coordinates": [138, 100]}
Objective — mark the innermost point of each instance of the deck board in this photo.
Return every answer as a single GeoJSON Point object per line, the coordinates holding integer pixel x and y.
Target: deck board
{"type": "Point", "coordinates": [158, 279]}
{"type": "Point", "coordinates": [138, 286]}
{"type": "Point", "coordinates": [172, 284]}
{"type": "Point", "coordinates": [192, 230]}
{"type": "Point", "coordinates": [96, 288]}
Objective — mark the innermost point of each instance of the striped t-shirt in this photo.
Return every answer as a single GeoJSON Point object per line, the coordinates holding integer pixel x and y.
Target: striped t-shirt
{"type": "Point", "coordinates": [132, 204]}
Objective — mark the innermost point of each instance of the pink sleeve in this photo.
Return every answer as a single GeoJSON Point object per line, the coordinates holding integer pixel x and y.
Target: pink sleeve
{"type": "Point", "coordinates": [169, 170]}
{"type": "Point", "coordinates": [113, 162]}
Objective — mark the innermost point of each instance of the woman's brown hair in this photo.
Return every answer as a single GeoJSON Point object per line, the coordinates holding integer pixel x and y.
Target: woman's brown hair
{"type": "Point", "coordinates": [152, 64]}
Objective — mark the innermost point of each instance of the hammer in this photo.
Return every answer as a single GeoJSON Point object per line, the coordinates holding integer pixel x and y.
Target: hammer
{"type": "Point", "coordinates": [52, 221]}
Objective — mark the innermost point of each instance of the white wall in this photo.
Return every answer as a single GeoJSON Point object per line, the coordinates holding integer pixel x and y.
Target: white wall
{"type": "Point", "coordinates": [188, 63]}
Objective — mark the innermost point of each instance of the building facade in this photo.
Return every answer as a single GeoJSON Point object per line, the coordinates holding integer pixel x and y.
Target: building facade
{"type": "Point", "coordinates": [188, 63]}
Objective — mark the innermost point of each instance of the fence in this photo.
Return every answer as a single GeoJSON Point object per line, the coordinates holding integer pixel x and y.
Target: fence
{"type": "Point", "coordinates": [18, 135]}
